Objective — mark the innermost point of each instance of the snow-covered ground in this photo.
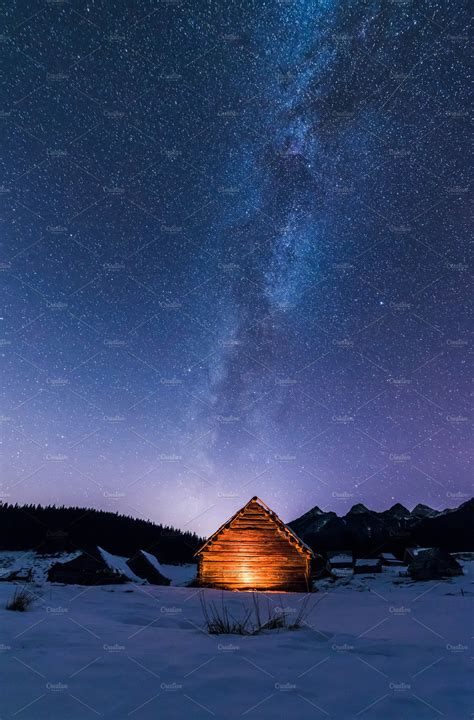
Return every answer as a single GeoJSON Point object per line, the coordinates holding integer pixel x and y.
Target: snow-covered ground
{"type": "Point", "coordinates": [372, 647]}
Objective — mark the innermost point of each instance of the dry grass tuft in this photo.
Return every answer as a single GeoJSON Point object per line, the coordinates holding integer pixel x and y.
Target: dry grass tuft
{"type": "Point", "coordinates": [219, 620]}
{"type": "Point", "coordinates": [21, 600]}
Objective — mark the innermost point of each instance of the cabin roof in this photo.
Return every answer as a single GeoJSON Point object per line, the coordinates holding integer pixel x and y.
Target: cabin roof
{"type": "Point", "coordinates": [272, 515]}
{"type": "Point", "coordinates": [152, 560]}
{"type": "Point", "coordinates": [414, 551]}
{"type": "Point", "coordinates": [341, 557]}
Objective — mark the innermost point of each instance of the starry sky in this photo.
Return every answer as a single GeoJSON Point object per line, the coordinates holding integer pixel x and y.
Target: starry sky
{"type": "Point", "coordinates": [235, 255]}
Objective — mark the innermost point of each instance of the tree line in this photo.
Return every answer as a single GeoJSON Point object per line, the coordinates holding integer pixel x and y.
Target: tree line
{"type": "Point", "coordinates": [50, 529]}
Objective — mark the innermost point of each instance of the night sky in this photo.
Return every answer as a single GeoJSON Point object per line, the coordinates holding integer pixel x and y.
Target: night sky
{"type": "Point", "coordinates": [235, 256]}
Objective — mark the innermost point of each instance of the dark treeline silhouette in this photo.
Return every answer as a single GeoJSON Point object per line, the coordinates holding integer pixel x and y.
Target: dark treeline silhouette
{"type": "Point", "coordinates": [53, 529]}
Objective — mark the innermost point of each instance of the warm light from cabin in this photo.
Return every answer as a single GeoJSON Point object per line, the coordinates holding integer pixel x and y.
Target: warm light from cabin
{"type": "Point", "coordinates": [245, 573]}
{"type": "Point", "coordinates": [247, 576]}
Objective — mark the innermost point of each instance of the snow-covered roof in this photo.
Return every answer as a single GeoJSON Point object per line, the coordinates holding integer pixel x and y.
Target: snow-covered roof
{"type": "Point", "coordinates": [342, 572]}
{"type": "Point", "coordinates": [463, 555]}
{"type": "Point", "coordinates": [342, 557]}
{"type": "Point", "coordinates": [119, 565]}
{"type": "Point", "coordinates": [371, 562]}
{"type": "Point", "coordinates": [417, 550]}
{"type": "Point", "coordinates": [153, 561]}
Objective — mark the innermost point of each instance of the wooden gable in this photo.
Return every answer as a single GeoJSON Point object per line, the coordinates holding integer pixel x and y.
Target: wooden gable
{"type": "Point", "coordinates": [254, 549]}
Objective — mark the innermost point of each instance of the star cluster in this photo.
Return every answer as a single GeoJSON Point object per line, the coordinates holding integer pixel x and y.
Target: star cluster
{"type": "Point", "coordinates": [235, 257]}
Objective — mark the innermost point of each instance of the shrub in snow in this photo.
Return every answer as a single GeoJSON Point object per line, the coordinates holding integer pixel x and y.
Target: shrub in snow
{"type": "Point", "coordinates": [21, 600]}
{"type": "Point", "coordinates": [220, 621]}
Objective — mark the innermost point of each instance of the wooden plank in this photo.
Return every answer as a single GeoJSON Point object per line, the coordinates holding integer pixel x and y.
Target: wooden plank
{"type": "Point", "coordinates": [254, 551]}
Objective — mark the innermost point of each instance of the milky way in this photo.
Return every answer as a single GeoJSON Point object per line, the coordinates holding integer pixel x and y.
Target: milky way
{"type": "Point", "coordinates": [235, 256]}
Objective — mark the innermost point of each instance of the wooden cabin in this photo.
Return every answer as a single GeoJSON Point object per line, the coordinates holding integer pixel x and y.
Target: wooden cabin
{"type": "Point", "coordinates": [340, 563]}
{"type": "Point", "coordinates": [255, 550]}
{"type": "Point", "coordinates": [367, 566]}
{"type": "Point", "coordinates": [433, 564]}
{"type": "Point", "coordinates": [88, 568]}
{"type": "Point", "coordinates": [341, 558]}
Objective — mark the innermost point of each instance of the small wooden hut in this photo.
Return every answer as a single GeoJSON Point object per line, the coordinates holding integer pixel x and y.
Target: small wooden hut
{"type": "Point", "coordinates": [341, 558]}
{"type": "Point", "coordinates": [255, 550]}
{"type": "Point", "coordinates": [432, 564]}
{"type": "Point", "coordinates": [88, 568]}
{"type": "Point", "coordinates": [367, 566]}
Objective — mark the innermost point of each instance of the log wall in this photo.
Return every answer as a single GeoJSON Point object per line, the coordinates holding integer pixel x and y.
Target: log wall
{"type": "Point", "coordinates": [253, 552]}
